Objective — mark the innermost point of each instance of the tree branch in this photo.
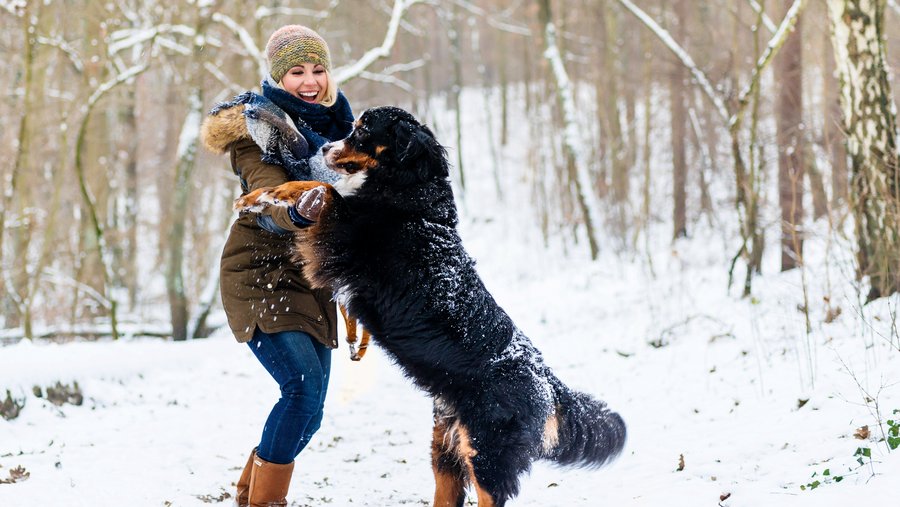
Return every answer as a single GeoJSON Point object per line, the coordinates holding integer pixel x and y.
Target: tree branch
{"type": "Point", "coordinates": [757, 8]}
{"type": "Point", "coordinates": [784, 29]}
{"type": "Point", "coordinates": [348, 72]}
{"type": "Point", "coordinates": [682, 55]}
{"type": "Point", "coordinates": [246, 40]}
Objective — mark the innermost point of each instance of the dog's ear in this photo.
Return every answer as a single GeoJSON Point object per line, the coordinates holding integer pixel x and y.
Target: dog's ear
{"type": "Point", "coordinates": [422, 153]}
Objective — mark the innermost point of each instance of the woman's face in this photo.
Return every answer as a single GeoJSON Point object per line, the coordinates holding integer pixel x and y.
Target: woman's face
{"type": "Point", "coordinates": [308, 82]}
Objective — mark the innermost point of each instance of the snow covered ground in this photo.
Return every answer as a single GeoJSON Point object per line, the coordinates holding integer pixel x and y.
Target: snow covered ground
{"type": "Point", "coordinates": [753, 405]}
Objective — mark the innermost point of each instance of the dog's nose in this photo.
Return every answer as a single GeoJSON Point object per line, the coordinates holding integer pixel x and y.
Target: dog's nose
{"type": "Point", "coordinates": [326, 149]}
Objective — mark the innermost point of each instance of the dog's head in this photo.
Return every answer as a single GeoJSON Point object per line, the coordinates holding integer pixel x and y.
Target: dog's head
{"type": "Point", "coordinates": [388, 143]}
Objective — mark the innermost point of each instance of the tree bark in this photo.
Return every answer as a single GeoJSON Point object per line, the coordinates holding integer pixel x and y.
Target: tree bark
{"type": "Point", "coordinates": [790, 140]}
{"type": "Point", "coordinates": [871, 126]}
{"type": "Point", "coordinates": [679, 130]}
{"type": "Point", "coordinates": [575, 158]}
{"type": "Point", "coordinates": [834, 137]}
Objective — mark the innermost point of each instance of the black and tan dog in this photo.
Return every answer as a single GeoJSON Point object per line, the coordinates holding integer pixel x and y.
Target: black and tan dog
{"type": "Point", "coordinates": [384, 238]}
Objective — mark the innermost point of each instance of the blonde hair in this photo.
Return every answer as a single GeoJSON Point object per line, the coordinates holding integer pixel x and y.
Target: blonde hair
{"type": "Point", "coordinates": [331, 91]}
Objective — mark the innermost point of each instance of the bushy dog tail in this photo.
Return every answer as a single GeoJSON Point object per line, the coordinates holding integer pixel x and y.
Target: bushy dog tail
{"type": "Point", "coordinates": [589, 433]}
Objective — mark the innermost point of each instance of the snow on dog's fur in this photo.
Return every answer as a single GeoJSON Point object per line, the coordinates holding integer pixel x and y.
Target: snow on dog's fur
{"type": "Point", "coordinates": [388, 245]}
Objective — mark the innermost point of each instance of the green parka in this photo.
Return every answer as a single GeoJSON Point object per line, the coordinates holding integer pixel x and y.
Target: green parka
{"type": "Point", "coordinates": [262, 287]}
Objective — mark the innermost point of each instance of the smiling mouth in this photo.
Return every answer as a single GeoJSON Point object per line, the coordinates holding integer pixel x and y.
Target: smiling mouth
{"type": "Point", "coordinates": [309, 96]}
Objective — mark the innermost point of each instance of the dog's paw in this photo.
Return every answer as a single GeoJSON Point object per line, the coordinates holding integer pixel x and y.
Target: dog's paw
{"type": "Point", "coordinates": [254, 202]}
{"type": "Point", "coordinates": [285, 195]}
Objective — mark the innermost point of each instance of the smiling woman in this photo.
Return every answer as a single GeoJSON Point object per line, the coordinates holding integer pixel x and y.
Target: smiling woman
{"type": "Point", "coordinates": [275, 138]}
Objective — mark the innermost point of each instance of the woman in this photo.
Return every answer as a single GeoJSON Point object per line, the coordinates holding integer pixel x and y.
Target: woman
{"type": "Point", "coordinates": [290, 327]}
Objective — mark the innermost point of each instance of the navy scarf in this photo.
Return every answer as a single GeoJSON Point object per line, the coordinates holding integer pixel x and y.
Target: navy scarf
{"type": "Point", "coordinates": [318, 124]}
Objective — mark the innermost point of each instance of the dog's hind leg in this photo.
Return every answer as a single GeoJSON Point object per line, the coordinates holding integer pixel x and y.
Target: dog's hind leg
{"type": "Point", "coordinates": [363, 344]}
{"type": "Point", "coordinates": [350, 324]}
{"type": "Point", "coordinates": [495, 461]}
{"type": "Point", "coordinates": [449, 472]}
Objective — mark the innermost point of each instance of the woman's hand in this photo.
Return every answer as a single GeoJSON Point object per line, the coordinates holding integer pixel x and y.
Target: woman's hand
{"type": "Point", "coordinates": [310, 204]}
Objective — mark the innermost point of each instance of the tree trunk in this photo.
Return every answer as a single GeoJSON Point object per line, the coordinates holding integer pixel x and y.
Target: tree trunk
{"type": "Point", "coordinates": [834, 136]}
{"type": "Point", "coordinates": [575, 158]}
{"type": "Point", "coordinates": [10, 309]}
{"type": "Point", "coordinates": [679, 130]}
{"type": "Point", "coordinates": [870, 123]}
{"type": "Point", "coordinates": [456, 90]}
{"type": "Point", "coordinates": [790, 140]}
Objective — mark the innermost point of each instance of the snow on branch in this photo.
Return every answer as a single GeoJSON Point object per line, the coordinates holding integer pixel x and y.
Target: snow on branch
{"type": "Point", "coordinates": [757, 8]}
{"type": "Point", "coordinates": [246, 39]}
{"type": "Point", "coordinates": [14, 7]}
{"type": "Point", "coordinates": [218, 74]}
{"type": "Point", "coordinates": [387, 79]}
{"type": "Point", "coordinates": [348, 72]}
{"type": "Point", "coordinates": [784, 29]}
{"type": "Point", "coordinates": [682, 55]}
{"type": "Point", "coordinates": [66, 48]}
{"type": "Point", "coordinates": [129, 37]}
{"type": "Point", "coordinates": [265, 12]}
{"type": "Point", "coordinates": [501, 25]}
{"type": "Point", "coordinates": [893, 5]}
{"type": "Point", "coordinates": [112, 83]}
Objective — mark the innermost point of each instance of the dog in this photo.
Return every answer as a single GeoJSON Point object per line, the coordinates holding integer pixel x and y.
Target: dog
{"type": "Point", "coordinates": [384, 239]}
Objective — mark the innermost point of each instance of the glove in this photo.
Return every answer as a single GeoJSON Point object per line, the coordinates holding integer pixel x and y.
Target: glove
{"type": "Point", "coordinates": [310, 204]}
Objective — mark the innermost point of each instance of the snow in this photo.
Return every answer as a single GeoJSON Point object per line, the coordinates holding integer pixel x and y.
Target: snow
{"type": "Point", "coordinates": [696, 372]}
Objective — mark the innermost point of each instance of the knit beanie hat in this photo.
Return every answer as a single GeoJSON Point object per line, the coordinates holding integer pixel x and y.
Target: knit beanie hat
{"type": "Point", "coordinates": [293, 45]}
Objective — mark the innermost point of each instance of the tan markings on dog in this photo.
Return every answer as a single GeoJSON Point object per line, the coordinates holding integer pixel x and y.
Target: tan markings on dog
{"type": "Point", "coordinates": [379, 149]}
{"type": "Point", "coordinates": [357, 351]}
{"type": "Point", "coordinates": [307, 255]}
{"type": "Point", "coordinates": [354, 157]}
{"type": "Point", "coordinates": [448, 487]}
{"type": "Point", "coordinates": [466, 453]}
{"type": "Point", "coordinates": [551, 433]}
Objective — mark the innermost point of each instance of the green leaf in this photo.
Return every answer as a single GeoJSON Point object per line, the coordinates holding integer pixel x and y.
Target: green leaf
{"type": "Point", "coordinates": [838, 478]}
{"type": "Point", "coordinates": [893, 442]}
{"type": "Point", "coordinates": [863, 451]}
{"type": "Point", "coordinates": [827, 472]}
{"type": "Point", "coordinates": [814, 485]}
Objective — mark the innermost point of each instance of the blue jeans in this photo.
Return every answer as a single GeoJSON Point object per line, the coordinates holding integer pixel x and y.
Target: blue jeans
{"type": "Point", "coordinates": [301, 366]}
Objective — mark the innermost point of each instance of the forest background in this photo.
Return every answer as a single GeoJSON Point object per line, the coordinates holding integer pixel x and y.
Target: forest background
{"type": "Point", "coordinates": [101, 161]}
{"type": "Point", "coordinates": [691, 207]}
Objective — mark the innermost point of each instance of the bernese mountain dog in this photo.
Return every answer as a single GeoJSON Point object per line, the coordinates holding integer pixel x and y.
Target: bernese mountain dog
{"type": "Point", "coordinates": [384, 239]}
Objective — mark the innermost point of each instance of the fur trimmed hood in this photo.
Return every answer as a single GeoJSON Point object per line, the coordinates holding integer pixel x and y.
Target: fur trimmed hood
{"type": "Point", "coordinates": [220, 130]}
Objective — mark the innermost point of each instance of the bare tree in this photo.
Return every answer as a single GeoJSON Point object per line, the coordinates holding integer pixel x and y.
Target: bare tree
{"type": "Point", "coordinates": [677, 98]}
{"type": "Point", "coordinates": [573, 146]}
{"type": "Point", "coordinates": [790, 140]}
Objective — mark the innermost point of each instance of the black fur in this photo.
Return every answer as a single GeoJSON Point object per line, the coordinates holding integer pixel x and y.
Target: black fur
{"type": "Point", "coordinates": [392, 253]}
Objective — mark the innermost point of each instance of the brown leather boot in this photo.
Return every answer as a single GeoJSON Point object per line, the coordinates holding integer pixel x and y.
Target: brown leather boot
{"type": "Point", "coordinates": [242, 498]}
{"type": "Point", "coordinates": [269, 483]}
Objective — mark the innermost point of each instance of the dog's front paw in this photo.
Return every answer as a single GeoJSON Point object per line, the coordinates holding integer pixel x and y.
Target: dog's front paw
{"type": "Point", "coordinates": [286, 194]}
{"type": "Point", "coordinates": [254, 202]}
